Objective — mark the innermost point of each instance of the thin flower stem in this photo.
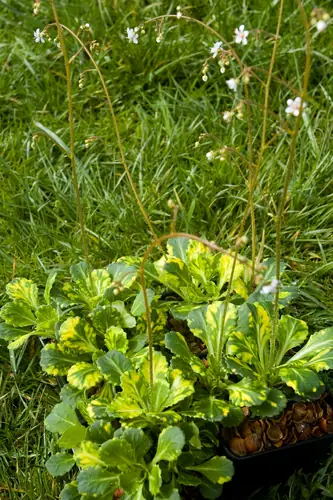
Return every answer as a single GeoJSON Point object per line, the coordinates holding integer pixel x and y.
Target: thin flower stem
{"type": "Point", "coordinates": [289, 172]}
{"type": "Point", "coordinates": [267, 88]}
{"type": "Point", "coordinates": [115, 123]}
{"type": "Point", "coordinates": [72, 138]}
{"type": "Point", "coordinates": [211, 30]}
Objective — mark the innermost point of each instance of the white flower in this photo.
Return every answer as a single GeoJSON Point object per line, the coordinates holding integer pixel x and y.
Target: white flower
{"type": "Point", "coordinates": [232, 84]}
{"type": "Point", "coordinates": [241, 35]}
{"type": "Point", "coordinates": [294, 106]}
{"type": "Point", "coordinates": [321, 25]}
{"type": "Point", "coordinates": [179, 14]}
{"type": "Point", "coordinates": [271, 288]}
{"type": "Point", "coordinates": [132, 35]}
{"type": "Point", "coordinates": [205, 78]}
{"type": "Point", "coordinates": [39, 36]}
{"type": "Point", "coordinates": [210, 155]}
{"type": "Point", "coordinates": [227, 116]}
{"type": "Point", "coordinates": [215, 49]}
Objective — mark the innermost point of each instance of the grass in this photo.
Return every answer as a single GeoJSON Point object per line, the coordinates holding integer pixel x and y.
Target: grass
{"type": "Point", "coordinates": [162, 107]}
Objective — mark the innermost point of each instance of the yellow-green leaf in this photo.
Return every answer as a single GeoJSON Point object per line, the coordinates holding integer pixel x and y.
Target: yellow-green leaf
{"type": "Point", "coordinates": [88, 455]}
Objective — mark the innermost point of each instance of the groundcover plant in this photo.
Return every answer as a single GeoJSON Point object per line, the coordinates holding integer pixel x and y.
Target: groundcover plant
{"type": "Point", "coordinates": [158, 353]}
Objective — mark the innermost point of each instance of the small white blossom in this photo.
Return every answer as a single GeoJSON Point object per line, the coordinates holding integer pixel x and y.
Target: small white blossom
{"type": "Point", "coordinates": [179, 14]}
{"type": "Point", "coordinates": [294, 106]}
{"type": "Point", "coordinates": [215, 49]}
{"type": "Point", "coordinates": [271, 288]}
{"type": "Point", "coordinates": [159, 39]}
{"type": "Point", "coordinates": [39, 36]}
{"type": "Point", "coordinates": [205, 78]}
{"type": "Point", "coordinates": [210, 155]}
{"type": "Point", "coordinates": [227, 116]}
{"type": "Point", "coordinates": [232, 84]}
{"type": "Point", "coordinates": [132, 35]}
{"type": "Point", "coordinates": [87, 25]}
{"type": "Point", "coordinates": [241, 35]}
{"type": "Point", "coordinates": [321, 25]}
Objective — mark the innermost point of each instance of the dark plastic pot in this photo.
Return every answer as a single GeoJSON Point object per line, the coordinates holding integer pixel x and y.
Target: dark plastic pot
{"type": "Point", "coordinates": [273, 466]}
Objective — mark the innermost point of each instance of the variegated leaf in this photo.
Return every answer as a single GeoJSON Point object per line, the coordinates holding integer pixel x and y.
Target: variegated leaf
{"type": "Point", "coordinates": [56, 359]}
{"type": "Point", "coordinates": [76, 333]}
{"type": "Point", "coordinates": [160, 366]}
{"type": "Point", "coordinates": [116, 339]}
{"type": "Point", "coordinates": [84, 375]}
{"type": "Point", "coordinates": [113, 365]}
{"type": "Point", "coordinates": [318, 343]}
{"type": "Point", "coordinates": [275, 403]}
{"type": "Point", "coordinates": [178, 346]}
{"type": "Point", "coordinates": [303, 381]}
{"type": "Point", "coordinates": [213, 326]}
{"type": "Point", "coordinates": [291, 333]}
{"type": "Point", "coordinates": [214, 409]}
{"type": "Point", "coordinates": [180, 388]}
{"type": "Point", "coordinates": [248, 392]}
{"type": "Point", "coordinates": [18, 314]}
{"type": "Point", "coordinates": [24, 291]}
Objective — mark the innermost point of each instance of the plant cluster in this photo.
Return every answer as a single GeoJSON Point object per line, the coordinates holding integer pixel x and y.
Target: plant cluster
{"type": "Point", "coordinates": [145, 418]}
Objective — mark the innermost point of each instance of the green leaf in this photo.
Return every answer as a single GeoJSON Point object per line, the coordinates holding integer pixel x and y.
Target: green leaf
{"type": "Point", "coordinates": [123, 273]}
{"type": "Point", "coordinates": [88, 454]}
{"type": "Point", "coordinates": [134, 398]}
{"type": "Point", "coordinates": [18, 314]}
{"type": "Point", "coordinates": [24, 291]}
{"type": "Point", "coordinates": [275, 403]}
{"type": "Point", "coordinates": [218, 469]}
{"type": "Point", "coordinates": [248, 392]}
{"type": "Point", "coordinates": [291, 333]}
{"type": "Point", "coordinates": [98, 408]}
{"type": "Point", "coordinates": [302, 380]}
{"type": "Point", "coordinates": [207, 324]}
{"type": "Point", "coordinates": [72, 436]}
{"type": "Point", "coordinates": [211, 491]}
{"type": "Point", "coordinates": [9, 333]}
{"type": "Point", "coordinates": [113, 365]}
{"type": "Point", "coordinates": [57, 359]}
{"type": "Point", "coordinates": [138, 306]}
{"type": "Point", "coordinates": [47, 318]}
{"type": "Point", "coordinates": [70, 492]}
{"type": "Point", "coordinates": [155, 480]}
{"type": "Point", "coordinates": [116, 339]}
{"type": "Point", "coordinates": [100, 431]}
{"type": "Point", "coordinates": [170, 445]}
{"type": "Point", "coordinates": [117, 453]}
{"type": "Point", "coordinates": [59, 464]}
{"type": "Point", "coordinates": [137, 439]}
{"type": "Point", "coordinates": [48, 286]}
{"type": "Point", "coordinates": [178, 346]}
{"type": "Point", "coordinates": [96, 481]}
{"type": "Point", "coordinates": [131, 480]}
{"type": "Point", "coordinates": [71, 395]}
{"type": "Point", "coordinates": [75, 333]}
{"type": "Point", "coordinates": [61, 418]}
{"type": "Point", "coordinates": [127, 320]}
{"type": "Point", "coordinates": [15, 344]}
{"type": "Point", "coordinates": [84, 375]}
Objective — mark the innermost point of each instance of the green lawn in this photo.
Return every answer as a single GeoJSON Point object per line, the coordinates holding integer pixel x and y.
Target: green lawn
{"type": "Point", "coordinates": [162, 106]}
